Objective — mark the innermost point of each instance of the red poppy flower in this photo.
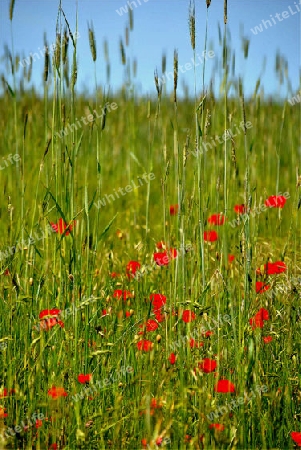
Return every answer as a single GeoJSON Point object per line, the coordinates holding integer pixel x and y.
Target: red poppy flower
{"type": "Point", "coordinates": [224, 386]}
{"type": "Point", "coordinates": [151, 325]}
{"type": "Point", "coordinates": [6, 392]}
{"type": "Point", "coordinates": [39, 423]}
{"type": "Point", "coordinates": [56, 392]}
{"type": "Point", "coordinates": [49, 313]}
{"type": "Point", "coordinates": [84, 378]}
{"type": "Point", "coordinates": [217, 426]}
{"type": "Point", "coordinates": [278, 267]}
{"type": "Point", "coordinates": [115, 275]}
{"type": "Point", "coordinates": [272, 268]}
{"type": "Point", "coordinates": [54, 446]}
{"type": "Point", "coordinates": [210, 236]}
{"type": "Point", "coordinates": [145, 345]}
{"type": "Point", "coordinates": [275, 201]}
{"type": "Point", "coordinates": [231, 258]}
{"type": "Point", "coordinates": [188, 316]}
{"type": "Point", "coordinates": [47, 324]}
{"type": "Point", "coordinates": [261, 287]}
{"type": "Point", "coordinates": [240, 209]}
{"type": "Point", "coordinates": [258, 320]}
{"type": "Point", "coordinates": [3, 414]}
{"type": "Point", "coordinates": [296, 437]}
{"type": "Point", "coordinates": [187, 438]}
{"type": "Point", "coordinates": [119, 293]}
{"type": "Point", "coordinates": [159, 441]}
{"type": "Point", "coordinates": [263, 313]}
{"type": "Point", "coordinates": [160, 245]}
{"type": "Point", "coordinates": [144, 442]}
{"type": "Point", "coordinates": [208, 333]}
{"type": "Point", "coordinates": [164, 258]}
{"type": "Point", "coordinates": [159, 317]}
{"type": "Point", "coordinates": [267, 339]}
{"type": "Point", "coordinates": [207, 365]}
{"type": "Point", "coordinates": [173, 210]}
{"type": "Point", "coordinates": [158, 301]}
{"type": "Point", "coordinates": [217, 219]}
{"type": "Point", "coordinates": [194, 344]}
{"type": "Point", "coordinates": [155, 405]}
{"type": "Point", "coordinates": [132, 268]}
{"type": "Point", "coordinates": [61, 226]}
{"type": "Point", "coordinates": [128, 314]}
{"type": "Point", "coordinates": [172, 358]}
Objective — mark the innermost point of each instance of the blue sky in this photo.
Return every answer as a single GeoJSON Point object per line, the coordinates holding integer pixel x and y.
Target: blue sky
{"type": "Point", "coordinates": [162, 26]}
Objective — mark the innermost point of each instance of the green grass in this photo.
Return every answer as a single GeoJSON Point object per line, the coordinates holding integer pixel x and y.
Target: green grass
{"type": "Point", "coordinates": [64, 178]}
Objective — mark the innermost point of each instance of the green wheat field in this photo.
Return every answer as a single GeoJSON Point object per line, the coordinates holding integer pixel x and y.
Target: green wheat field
{"type": "Point", "coordinates": [150, 263]}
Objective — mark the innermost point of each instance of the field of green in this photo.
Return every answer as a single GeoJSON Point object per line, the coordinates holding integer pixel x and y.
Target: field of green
{"type": "Point", "coordinates": [104, 344]}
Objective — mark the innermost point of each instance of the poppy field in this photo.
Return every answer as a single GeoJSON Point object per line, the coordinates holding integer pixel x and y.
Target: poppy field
{"type": "Point", "coordinates": [150, 260]}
